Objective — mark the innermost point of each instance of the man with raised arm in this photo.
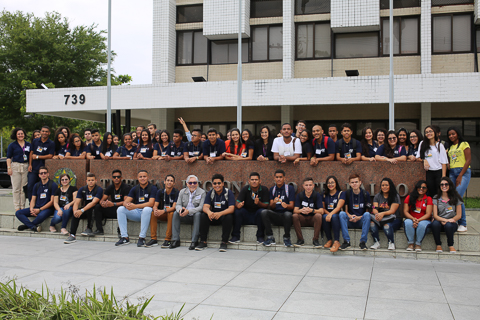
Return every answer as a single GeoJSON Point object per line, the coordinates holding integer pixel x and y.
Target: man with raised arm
{"type": "Point", "coordinates": [286, 148]}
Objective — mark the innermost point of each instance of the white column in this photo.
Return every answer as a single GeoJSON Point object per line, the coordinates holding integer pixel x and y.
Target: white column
{"type": "Point", "coordinates": [288, 39]}
{"type": "Point", "coordinates": [164, 41]}
{"type": "Point", "coordinates": [286, 115]}
{"type": "Point", "coordinates": [164, 118]}
{"type": "Point", "coordinates": [425, 115]}
{"type": "Point", "coordinates": [426, 36]}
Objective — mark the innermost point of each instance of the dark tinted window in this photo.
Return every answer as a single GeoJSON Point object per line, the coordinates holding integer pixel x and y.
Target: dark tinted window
{"type": "Point", "coordinates": [312, 6]}
{"type": "Point", "coordinates": [266, 8]}
{"type": "Point", "coordinates": [385, 4]}
{"type": "Point", "coordinates": [449, 2]}
{"type": "Point", "coordinates": [190, 14]}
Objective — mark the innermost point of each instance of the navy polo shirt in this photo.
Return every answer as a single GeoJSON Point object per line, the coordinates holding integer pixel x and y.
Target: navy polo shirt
{"type": "Point", "coordinates": [145, 150]}
{"type": "Point", "coordinates": [412, 151]}
{"type": "Point", "coordinates": [75, 153]}
{"type": "Point", "coordinates": [215, 150]}
{"type": "Point", "coordinates": [166, 200]}
{"type": "Point", "coordinates": [62, 151]}
{"type": "Point", "coordinates": [117, 195]}
{"type": "Point", "coordinates": [321, 151]}
{"type": "Point", "coordinates": [357, 204]}
{"type": "Point", "coordinates": [194, 151]}
{"type": "Point", "coordinates": [40, 148]}
{"type": "Point", "coordinates": [124, 152]}
{"type": "Point", "coordinates": [161, 150]}
{"type": "Point", "coordinates": [331, 202]}
{"type": "Point", "coordinates": [173, 151]}
{"type": "Point", "coordinates": [372, 150]}
{"type": "Point", "coordinates": [347, 148]}
{"type": "Point", "coordinates": [306, 149]}
{"type": "Point", "coordinates": [276, 191]}
{"type": "Point", "coordinates": [43, 193]}
{"type": "Point", "coordinates": [95, 150]}
{"type": "Point", "coordinates": [88, 195]}
{"type": "Point", "coordinates": [308, 201]}
{"type": "Point", "coordinates": [142, 195]}
{"type": "Point", "coordinates": [15, 152]}
{"type": "Point", "coordinates": [396, 153]}
{"type": "Point", "coordinates": [110, 151]}
{"type": "Point", "coordinates": [219, 203]}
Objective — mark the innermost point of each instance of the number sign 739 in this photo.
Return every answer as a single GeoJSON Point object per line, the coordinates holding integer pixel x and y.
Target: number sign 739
{"type": "Point", "coordinates": [80, 99]}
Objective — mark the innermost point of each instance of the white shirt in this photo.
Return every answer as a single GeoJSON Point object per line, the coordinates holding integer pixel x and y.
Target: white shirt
{"type": "Point", "coordinates": [279, 146]}
{"type": "Point", "coordinates": [435, 159]}
{"type": "Point", "coordinates": [190, 199]}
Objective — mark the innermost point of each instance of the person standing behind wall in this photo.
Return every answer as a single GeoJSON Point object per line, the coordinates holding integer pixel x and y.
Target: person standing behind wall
{"type": "Point", "coordinates": [17, 165]}
{"type": "Point", "coordinates": [41, 149]}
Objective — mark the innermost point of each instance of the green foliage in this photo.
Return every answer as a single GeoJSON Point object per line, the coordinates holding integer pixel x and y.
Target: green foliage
{"type": "Point", "coordinates": [20, 303]}
{"type": "Point", "coordinates": [472, 202]}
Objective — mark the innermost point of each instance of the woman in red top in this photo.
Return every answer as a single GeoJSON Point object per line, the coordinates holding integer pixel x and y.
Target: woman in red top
{"type": "Point", "coordinates": [236, 147]}
{"type": "Point", "coordinates": [417, 211]}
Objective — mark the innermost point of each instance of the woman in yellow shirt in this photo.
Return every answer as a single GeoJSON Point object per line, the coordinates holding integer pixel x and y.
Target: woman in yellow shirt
{"type": "Point", "coordinates": [460, 157]}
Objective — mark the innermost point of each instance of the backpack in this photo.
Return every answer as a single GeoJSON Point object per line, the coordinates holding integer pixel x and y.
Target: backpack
{"type": "Point", "coordinates": [325, 142]}
{"type": "Point", "coordinates": [212, 196]}
{"type": "Point", "coordinates": [349, 193]}
{"type": "Point", "coordinates": [275, 188]}
{"type": "Point", "coordinates": [340, 145]}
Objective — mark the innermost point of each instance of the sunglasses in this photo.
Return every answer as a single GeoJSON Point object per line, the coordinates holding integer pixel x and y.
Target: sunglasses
{"type": "Point", "coordinates": [443, 184]}
{"type": "Point", "coordinates": [392, 138]}
{"type": "Point", "coordinates": [423, 188]}
{"type": "Point", "coordinates": [216, 183]}
{"type": "Point", "coordinates": [192, 183]}
{"type": "Point", "coordinates": [42, 173]}
{"type": "Point", "coordinates": [65, 180]}
{"type": "Point", "coordinates": [116, 177]}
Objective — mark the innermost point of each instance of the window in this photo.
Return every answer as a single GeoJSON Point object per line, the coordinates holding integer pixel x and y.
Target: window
{"type": "Point", "coordinates": [313, 41]}
{"type": "Point", "coordinates": [385, 4]}
{"type": "Point", "coordinates": [191, 47]}
{"type": "Point", "coordinates": [187, 14]}
{"type": "Point", "coordinates": [405, 35]}
{"type": "Point", "coordinates": [227, 51]}
{"type": "Point", "coordinates": [312, 6]}
{"type": "Point", "coordinates": [266, 8]}
{"type": "Point", "coordinates": [356, 45]}
{"type": "Point", "coordinates": [267, 43]}
{"type": "Point", "coordinates": [452, 33]}
{"type": "Point", "coordinates": [449, 2]}
{"type": "Point", "coordinates": [478, 40]}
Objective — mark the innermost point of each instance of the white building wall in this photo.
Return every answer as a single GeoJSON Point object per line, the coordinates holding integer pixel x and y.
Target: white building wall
{"type": "Point", "coordinates": [164, 41]}
{"type": "Point", "coordinates": [220, 19]}
{"type": "Point", "coordinates": [355, 15]}
{"type": "Point", "coordinates": [426, 36]}
{"type": "Point", "coordinates": [288, 39]}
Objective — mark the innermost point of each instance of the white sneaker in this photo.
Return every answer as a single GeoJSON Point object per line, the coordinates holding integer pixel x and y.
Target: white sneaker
{"type": "Point", "coordinates": [462, 228]}
{"type": "Point", "coordinates": [375, 246]}
{"type": "Point", "coordinates": [391, 246]}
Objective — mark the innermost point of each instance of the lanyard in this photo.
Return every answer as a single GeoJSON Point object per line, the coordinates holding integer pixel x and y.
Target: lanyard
{"type": "Point", "coordinates": [264, 151]}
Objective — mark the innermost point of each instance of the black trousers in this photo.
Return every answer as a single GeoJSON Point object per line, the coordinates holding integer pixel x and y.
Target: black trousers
{"type": "Point", "coordinates": [279, 219]}
{"type": "Point", "coordinates": [433, 181]}
{"type": "Point", "coordinates": [225, 221]}
{"type": "Point", "coordinates": [75, 221]}
{"type": "Point", "coordinates": [102, 213]}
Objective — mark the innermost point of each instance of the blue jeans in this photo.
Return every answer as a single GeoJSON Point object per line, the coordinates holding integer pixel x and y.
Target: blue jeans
{"type": "Point", "coordinates": [64, 218]}
{"type": "Point", "coordinates": [243, 216]}
{"type": "Point", "coordinates": [41, 216]}
{"type": "Point", "coordinates": [333, 224]}
{"type": "Point", "coordinates": [462, 187]}
{"type": "Point", "coordinates": [32, 178]}
{"type": "Point", "coordinates": [142, 215]}
{"type": "Point", "coordinates": [363, 223]}
{"type": "Point", "coordinates": [388, 228]}
{"type": "Point", "coordinates": [421, 230]}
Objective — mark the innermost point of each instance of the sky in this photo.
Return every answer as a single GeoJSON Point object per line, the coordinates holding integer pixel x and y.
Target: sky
{"type": "Point", "coordinates": [131, 28]}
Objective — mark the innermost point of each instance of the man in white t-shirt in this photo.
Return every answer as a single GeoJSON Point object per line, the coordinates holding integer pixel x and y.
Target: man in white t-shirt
{"type": "Point", "coordinates": [286, 148]}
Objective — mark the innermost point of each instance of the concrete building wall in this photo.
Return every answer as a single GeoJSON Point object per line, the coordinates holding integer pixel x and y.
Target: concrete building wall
{"type": "Point", "coordinates": [220, 19]}
{"type": "Point", "coordinates": [453, 63]}
{"type": "Point", "coordinates": [355, 15]}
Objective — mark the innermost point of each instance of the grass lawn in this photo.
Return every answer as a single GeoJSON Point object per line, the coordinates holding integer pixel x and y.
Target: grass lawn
{"type": "Point", "coordinates": [472, 203]}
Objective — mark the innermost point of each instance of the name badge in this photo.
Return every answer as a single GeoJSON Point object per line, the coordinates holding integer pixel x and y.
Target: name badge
{"type": "Point", "coordinates": [356, 206]}
{"type": "Point", "coordinates": [195, 153]}
{"type": "Point", "coordinates": [108, 154]}
{"type": "Point", "coordinates": [198, 197]}
{"type": "Point", "coordinates": [118, 196]}
{"type": "Point", "coordinates": [418, 210]}
{"type": "Point", "coordinates": [27, 148]}
{"type": "Point", "coordinates": [141, 199]}
{"type": "Point", "coordinates": [172, 153]}
{"type": "Point", "coordinates": [319, 151]}
{"type": "Point", "coordinates": [286, 153]}
{"type": "Point", "coordinates": [449, 209]}
{"type": "Point", "coordinates": [375, 149]}
{"type": "Point", "coordinates": [39, 149]}
{"type": "Point", "coordinates": [97, 152]}
{"type": "Point", "coordinates": [63, 198]}
{"type": "Point", "coordinates": [89, 197]}
{"type": "Point", "coordinates": [130, 156]}
{"type": "Point", "coordinates": [213, 154]}
{"type": "Point", "coordinates": [167, 207]}
{"type": "Point", "coordinates": [43, 195]}
{"type": "Point", "coordinates": [25, 157]}
{"type": "Point", "coordinates": [305, 203]}
{"type": "Point", "coordinates": [348, 156]}
{"type": "Point", "coordinates": [143, 150]}
{"type": "Point", "coordinates": [218, 205]}
{"type": "Point", "coordinates": [164, 153]}
{"type": "Point", "coordinates": [244, 153]}
{"type": "Point", "coordinates": [330, 206]}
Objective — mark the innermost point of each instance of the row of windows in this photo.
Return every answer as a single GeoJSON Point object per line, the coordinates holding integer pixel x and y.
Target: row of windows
{"type": "Point", "coordinates": [450, 33]}
{"type": "Point", "coordinates": [274, 8]}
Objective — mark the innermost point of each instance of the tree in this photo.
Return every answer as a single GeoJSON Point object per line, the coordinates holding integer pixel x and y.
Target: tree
{"type": "Point", "coordinates": [46, 50]}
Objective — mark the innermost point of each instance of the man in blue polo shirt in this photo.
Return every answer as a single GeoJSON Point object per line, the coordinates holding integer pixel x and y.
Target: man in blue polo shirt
{"type": "Point", "coordinates": [356, 215]}
{"type": "Point", "coordinates": [282, 201]}
{"type": "Point", "coordinates": [175, 149]}
{"type": "Point", "coordinates": [348, 148]}
{"type": "Point", "coordinates": [87, 198]}
{"type": "Point", "coordinates": [213, 148]}
{"type": "Point", "coordinates": [41, 205]}
{"type": "Point", "coordinates": [323, 147]}
{"type": "Point", "coordinates": [42, 148]}
{"type": "Point", "coordinates": [217, 210]}
{"type": "Point", "coordinates": [95, 147]}
{"type": "Point", "coordinates": [137, 207]}
{"type": "Point", "coordinates": [193, 150]}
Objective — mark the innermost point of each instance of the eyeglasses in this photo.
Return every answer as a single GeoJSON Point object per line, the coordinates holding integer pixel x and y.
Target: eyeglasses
{"type": "Point", "coordinates": [331, 183]}
{"type": "Point", "coordinates": [42, 173]}
{"type": "Point", "coordinates": [429, 131]}
{"type": "Point", "coordinates": [116, 177]}
{"type": "Point", "coordinates": [392, 138]}
{"type": "Point", "coordinates": [423, 188]}
{"type": "Point", "coordinates": [216, 183]}
{"type": "Point", "coordinates": [192, 183]}
{"type": "Point", "coordinates": [66, 179]}
{"type": "Point", "coordinates": [443, 184]}
{"type": "Point", "coordinates": [413, 137]}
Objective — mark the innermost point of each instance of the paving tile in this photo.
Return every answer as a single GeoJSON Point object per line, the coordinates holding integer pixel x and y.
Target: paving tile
{"type": "Point", "coordinates": [121, 287]}
{"type": "Point", "coordinates": [294, 316]}
{"type": "Point", "coordinates": [17, 273]}
{"type": "Point", "coordinates": [213, 263]}
{"type": "Point", "coordinates": [462, 296]}
{"type": "Point", "coordinates": [405, 276]}
{"type": "Point", "coordinates": [334, 286]}
{"type": "Point", "coordinates": [465, 312]}
{"type": "Point", "coordinates": [383, 263]}
{"type": "Point", "coordinates": [456, 279]}
{"type": "Point", "coordinates": [381, 308]}
{"type": "Point", "coordinates": [408, 291]}
{"type": "Point", "coordinates": [291, 267]}
{"type": "Point", "coordinates": [320, 304]}
{"type": "Point", "coordinates": [457, 266]}
{"type": "Point", "coordinates": [202, 276]}
{"type": "Point", "coordinates": [54, 280]}
{"type": "Point", "coordinates": [178, 291]}
{"type": "Point", "coordinates": [270, 281]}
{"type": "Point", "coordinates": [218, 313]}
{"type": "Point", "coordinates": [132, 271]}
{"type": "Point", "coordinates": [164, 308]}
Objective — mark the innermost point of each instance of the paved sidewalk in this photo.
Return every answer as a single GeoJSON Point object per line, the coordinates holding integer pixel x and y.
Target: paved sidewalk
{"type": "Point", "coordinates": [251, 284]}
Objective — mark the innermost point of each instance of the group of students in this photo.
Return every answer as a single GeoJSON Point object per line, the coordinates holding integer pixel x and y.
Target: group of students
{"type": "Point", "coordinates": [24, 158]}
{"type": "Point", "coordinates": [335, 210]}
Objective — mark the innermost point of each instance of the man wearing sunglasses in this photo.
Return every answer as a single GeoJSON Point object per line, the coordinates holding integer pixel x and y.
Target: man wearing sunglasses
{"type": "Point", "coordinates": [41, 205]}
{"type": "Point", "coordinates": [42, 148]}
{"type": "Point", "coordinates": [188, 210]}
{"type": "Point", "coordinates": [113, 198]}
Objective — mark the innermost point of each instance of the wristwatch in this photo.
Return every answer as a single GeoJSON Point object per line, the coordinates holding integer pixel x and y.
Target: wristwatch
{"type": "Point", "coordinates": [82, 210]}
{"type": "Point", "coordinates": [36, 158]}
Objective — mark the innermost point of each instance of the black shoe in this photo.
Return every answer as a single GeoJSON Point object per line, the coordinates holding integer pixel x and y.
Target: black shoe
{"type": "Point", "coordinates": [98, 233]}
{"type": "Point", "coordinates": [299, 243]}
{"type": "Point", "coordinates": [344, 245]}
{"type": "Point", "coordinates": [152, 243]}
{"type": "Point", "coordinates": [36, 228]}
{"type": "Point", "coordinates": [363, 246]}
{"type": "Point", "coordinates": [22, 227]}
{"type": "Point", "coordinates": [166, 244]}
{"type": "Point", "coordinates": [141, 242]}
{"type": "Point", "coordinates": [118, 233]}
{"type": "Point", "coordinates": [173, 244]}
{"type": "Point", "coordinates": [223, 247]}
{"type": "Point", "coordinates": [122, 241]}
{"type": "Point", "coordinates": [316, 244]}
{"type": "Point", "coordinates": [193, 245]}
{"type": "Point", "coordinates": [88, 232]}
{"type": "Point", "coordinates": [202, 245]}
